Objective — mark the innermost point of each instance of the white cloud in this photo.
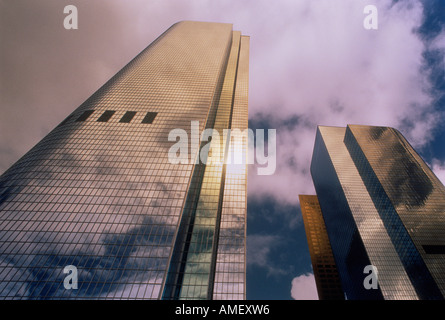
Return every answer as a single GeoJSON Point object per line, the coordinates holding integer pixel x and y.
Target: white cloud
{"type": "Point", "coordinates": [310, 59]}
{"type": "Point", "coordinates": [303, 287]}
{"type": "Point", "coordinates": [291, 177]}
{"type": "Point", "coordinates": [259, 248]}
{"type": "Point", "coordinates": [438, 168]}
{"type": "Point", "coordinates": [327, 69]}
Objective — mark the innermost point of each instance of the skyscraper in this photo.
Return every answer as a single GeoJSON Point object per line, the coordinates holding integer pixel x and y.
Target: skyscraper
{"type": "Point", "coordinates": [98, 209]}
{"type": "Point", "coordinates": [383, 207]}
{"type": "Point", "coordinates": [325, 270]}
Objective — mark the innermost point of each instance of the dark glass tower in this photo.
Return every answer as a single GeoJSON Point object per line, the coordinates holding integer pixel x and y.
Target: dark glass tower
{"type": "Point", "coordinates": [382, 206]}
{"type": "Point", "coordinates": [99, 193]}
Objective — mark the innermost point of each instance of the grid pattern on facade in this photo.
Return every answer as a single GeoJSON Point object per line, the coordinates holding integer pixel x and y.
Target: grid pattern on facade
{"type": "Point", "coordinates": [231, 255]}
{"type": "Point", "coordinates": [197, 271]}
{"type": "Point", "coordinates": [396, 203]}
{"type": "Point", "coordinates": [102, 196]}
{"type": "Point", "coordinates": [347, 246]}
{"type": "Point", "coordinates": [323, 263]}
{"type": "Point", "coordinates": [202, 273]}
{"type": "Point", "coordinates": [388, 163]}
{"type": "Point", "coordinates": [393, 280]}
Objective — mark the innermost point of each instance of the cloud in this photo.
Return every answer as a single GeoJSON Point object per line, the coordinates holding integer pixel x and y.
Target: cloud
{"type": "Point", "coordinates": [438, 168]}
{"type": "Point", "coordinates": [311, 63]}
{"type": "Point", "coordinates": [129, 255]}
{"type": "Point", "coordinates": [292, 176]}
{"type": "Point", "coordinates": [259, 249]}
{"type": "Point", "coordinates": [325, 68]}
{"type": "Point", "coordinates": [303, 287]}
{"type": "Point", "coordinates": [308, 60]}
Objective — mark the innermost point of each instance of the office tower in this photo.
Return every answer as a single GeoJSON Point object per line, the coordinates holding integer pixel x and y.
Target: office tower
{"type": "Point", "coordinates": [99, 208]}
{"type": "Point", "coordinates": [323, 263]}
{"type": "Point", "coordinates": [382, 207]}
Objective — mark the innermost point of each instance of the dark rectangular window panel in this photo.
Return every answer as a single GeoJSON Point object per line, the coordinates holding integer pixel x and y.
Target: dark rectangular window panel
{"type": "Point", "coordinates": [128, 116]}
{"type": "Point", "coordinates": [434, 249]}
{"type": "Point", "coordinates": [85, 115]}
{"type": "Point", "coordinates": [106, 116]}
{"type": "Point", "coordinates": [149, 117]}
{"type": "Point", "coordinates": [66, 120]}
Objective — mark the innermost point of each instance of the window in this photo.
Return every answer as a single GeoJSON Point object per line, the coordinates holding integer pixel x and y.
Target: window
{"type": "Point", "coordinates": [434, 249]}
{"type": "Point", "coordinates": [85, 115]}
{"type": "Point", "coordinates": [149, 117]}
{"type": "Point", "coordinates": [106, 116]}
{"type": "Point", "coordinates": [66, 120]}
{"type": "Point", "coordinates": [127, 116]}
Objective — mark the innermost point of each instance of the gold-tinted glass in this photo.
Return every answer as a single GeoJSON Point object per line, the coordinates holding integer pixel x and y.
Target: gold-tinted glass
{"type": "Point", "coordinates": [230, 268]}
{"type": "Point", "coordinates": [414, 191]}
{"type": "Point", "coordinates": [323, 263]}
{"type": "Point", "coordinates": [393, 280]}
{"type": "Point", "coordinates": [103, 196]}
{"type": "Point", "coordinates": [217, 182]}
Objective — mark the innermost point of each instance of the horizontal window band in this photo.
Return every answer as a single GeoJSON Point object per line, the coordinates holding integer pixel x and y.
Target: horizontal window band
{"type": "Point", "coordinates": [106, 116]}
{"type": "Point", "coordinates": [85, 115]}
{"type": "Point", "coordinates": [434, 249]}
{"type": "Point", "coordinates": [149, 117]}
{"type": "Point", "coordinates": [128, 116]}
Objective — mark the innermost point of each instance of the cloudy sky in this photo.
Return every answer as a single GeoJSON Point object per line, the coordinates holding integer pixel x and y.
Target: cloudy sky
{"type": "Point", "coordinates": [311, 63]}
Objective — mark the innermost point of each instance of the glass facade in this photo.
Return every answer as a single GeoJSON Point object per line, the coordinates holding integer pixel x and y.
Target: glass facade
{"type": "Point", "coordinates": [100, 194]}
{"type": "Point", "coordinates": [382, 206]}
{"type": "Point", "coordinates": [325, 270]}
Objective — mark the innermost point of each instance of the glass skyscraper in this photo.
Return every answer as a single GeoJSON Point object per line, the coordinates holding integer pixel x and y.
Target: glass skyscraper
{"type": "Point", "coordinates": [101, 196]}
{"type": "Point", "coordinates": [325, 270]}
{"type": "Point", "coordinates": [383, 207]}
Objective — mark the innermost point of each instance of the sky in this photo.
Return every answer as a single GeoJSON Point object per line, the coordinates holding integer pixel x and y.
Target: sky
{"type": "Point", "coordinates": [311, 63]}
